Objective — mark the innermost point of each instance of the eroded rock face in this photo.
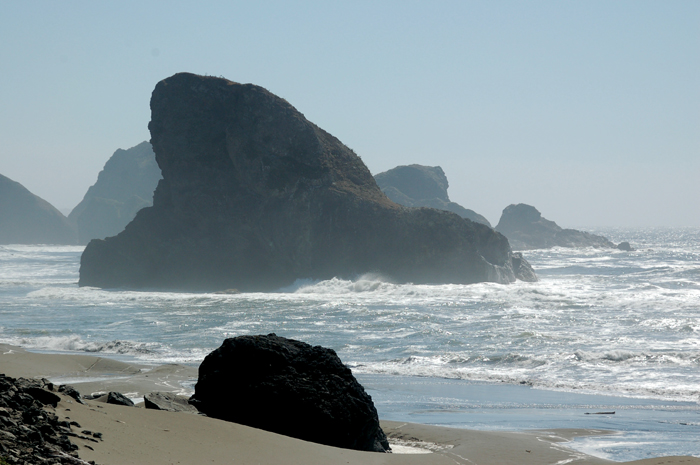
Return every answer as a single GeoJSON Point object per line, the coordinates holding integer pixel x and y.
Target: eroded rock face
{"type": "Point", "coordinates": [291, 388]}
{"type": "Point", "coordinates": [422, 186]}
{"type": "Point", "coordinates": [123, 187]}
{"type": "Point", "coordinates": [526, 229]}
{"type": "Point", "coordinates": [28, 219]}
{"type": "Point", "coordinates": [254, 196]}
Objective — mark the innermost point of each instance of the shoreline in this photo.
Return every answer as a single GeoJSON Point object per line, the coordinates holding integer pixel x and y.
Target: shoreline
{"type": "Point", "coordinates": [134, 435]}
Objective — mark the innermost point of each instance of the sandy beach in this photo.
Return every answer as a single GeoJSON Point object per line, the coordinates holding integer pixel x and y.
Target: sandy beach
{"type": "Point", "coordinates": [135, 435]}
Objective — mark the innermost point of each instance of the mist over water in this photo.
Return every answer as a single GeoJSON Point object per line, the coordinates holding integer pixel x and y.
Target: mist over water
{"type": "Point", "coordinates": [600, 321]}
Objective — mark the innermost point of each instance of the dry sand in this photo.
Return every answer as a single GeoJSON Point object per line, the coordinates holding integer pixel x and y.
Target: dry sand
{"type": "Point", "coordinates": [133, 435]}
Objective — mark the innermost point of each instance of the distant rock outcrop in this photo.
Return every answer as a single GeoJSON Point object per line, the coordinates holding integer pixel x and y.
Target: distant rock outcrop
{"type": "Point", "coordinates": [123, 187]}
{"type": "Point", "coordinates": [28, 219]}
{"type": "Point", "coordinates": [625, 246]}
{"type": "Point", "coordinates": [291, 388]}
{"type": "Point", "coordinates": [422, 186]}
{"type": "Point", "coordinates": [525, 229]}
{"type": "Point", "coordinates": [254, 196]}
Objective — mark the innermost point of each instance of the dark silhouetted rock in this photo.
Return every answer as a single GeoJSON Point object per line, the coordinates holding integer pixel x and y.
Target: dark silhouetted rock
{"type": "Point", "coordinates": [254, 197]}
{"type": "Point", "coordinates": [28, 219]}
{"type": "Point", "coordinates": [168, 401]}
{"type": "Point", "coordinates": [625, 246]}
{"type": "Point", "coordinates": [123, 187]}
{"type": "Point", "coordinates": [291, 388]}
{"type": "Point", "coordinates": [422, 186]}
{"type": "Point", "coordinates": [525, 229]}
{"type": "Point", "coordinates": [117, 398]}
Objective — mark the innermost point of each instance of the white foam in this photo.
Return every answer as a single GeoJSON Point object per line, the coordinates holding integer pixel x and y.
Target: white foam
{"type": "Point", "coordinates": [403, 446]}
{"type": "Point", "coordinates": [598, 320]}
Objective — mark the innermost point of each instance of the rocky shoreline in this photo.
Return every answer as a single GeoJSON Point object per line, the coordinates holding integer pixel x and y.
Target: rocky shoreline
{"type": "Point", "coordinates": [31, 431]}
{"type": "Point", "coordinates": [136, 435]}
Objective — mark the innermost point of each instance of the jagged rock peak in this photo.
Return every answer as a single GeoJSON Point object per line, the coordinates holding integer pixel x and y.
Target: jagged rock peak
{"type": "Point", "coordinates": [422, 186]}
{"type": "Point", "coordinates": [123, 187]}
{"type": "Point", "coordinates": [254, 196]}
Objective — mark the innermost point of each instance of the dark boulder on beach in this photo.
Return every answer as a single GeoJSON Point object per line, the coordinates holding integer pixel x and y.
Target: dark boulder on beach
{"type": "Point", "coordinates": [117, 398]}
{"type": "Point", "coordinates": [422, 186]}
{"type": "Point", "coordinates": [526, 229]}
{"type": "Point", "coordinates": [28, 219]}
{"type": "Point", "coordinates": [123, 187]}
{"type": "Point", "coordinates": [168, 401]}
{"type": "Point", "coordinates": [254, 197]}
{"type": "Point", "coordinates": [291, 388]}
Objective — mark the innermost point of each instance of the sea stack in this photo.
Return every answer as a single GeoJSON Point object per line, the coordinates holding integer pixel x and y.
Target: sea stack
{"type": "Point", "coordinates": [123, 187]}
{"type": "Point", "coordinates": [526, 228]}
{"type": "Point", "coordinates": [422, 186]}
{"type": "Point", "coordinates": [254, 196]}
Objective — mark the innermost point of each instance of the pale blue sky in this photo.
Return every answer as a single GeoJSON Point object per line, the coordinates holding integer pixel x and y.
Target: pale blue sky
{"type": "Point", "coordinates": [588, 110]}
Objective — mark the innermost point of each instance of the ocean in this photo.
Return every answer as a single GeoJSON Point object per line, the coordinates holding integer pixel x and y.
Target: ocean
{"type": "Point", "coordinates": [603, 330]}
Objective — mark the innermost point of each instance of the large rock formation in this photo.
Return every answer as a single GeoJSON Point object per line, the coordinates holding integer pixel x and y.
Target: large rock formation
{"type": "Point", "coordinates": [123, 187]}
{"type": "Point", "coordinates": [291, 388]}
{"type": "Point", "coordinates": [28, 219]}
{"type": "Point", "coordinates": [254, 196]}
{"type": "Point", "coordinates": [525, 229]}
{"type": "Point", "coordinates": [422, 186]}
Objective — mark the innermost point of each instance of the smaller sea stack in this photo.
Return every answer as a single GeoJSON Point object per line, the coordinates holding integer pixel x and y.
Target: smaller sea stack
{"type": "Point", "coordinates": [526, 229]}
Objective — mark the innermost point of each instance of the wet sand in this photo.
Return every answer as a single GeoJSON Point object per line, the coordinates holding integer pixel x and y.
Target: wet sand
{"type": "Point", "coordinates": [135, 435]}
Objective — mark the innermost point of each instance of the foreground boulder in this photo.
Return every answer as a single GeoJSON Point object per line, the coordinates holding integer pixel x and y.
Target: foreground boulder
{"type": "Point", "coordinates": [123, 187]}
{"type": "Point", "coordinates": [526, 229]}
{"type": "Point", "coordinates": [422, 186]}
{"type": "Point", "coordinates": [28, 219]}
{"type": "Point", "coordinates": [254, 197]}
{"type": "Point", "coordinates": [291, 388]}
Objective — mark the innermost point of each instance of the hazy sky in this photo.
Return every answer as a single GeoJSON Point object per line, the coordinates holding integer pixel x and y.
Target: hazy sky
{"type": "Point", "coordinates": [590, 111]}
